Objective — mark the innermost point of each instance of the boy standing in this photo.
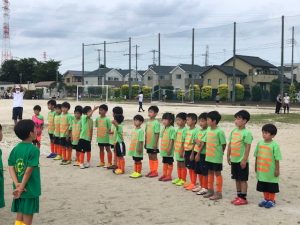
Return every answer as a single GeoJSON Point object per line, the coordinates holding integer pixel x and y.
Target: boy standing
{"type": "Point", "coordinates": [267, 156]}
{"type": "Point", "coordinates": [24, 170]}
{"type": "Point", "coordinates": [215, 147]}
{"type": "Point", "coordinates": [2, 202]}
{"type": "Point", "coordinates": [38, 120]}
{"type": "Point", "coordinates": [56, 134]}
{"type": "Point", "coordinates": [51, 106]}
{"type": "Point", "coordinates": [152, 132]}
{"type": "Point", "coordinates": [75, 131]}
{"type": "Point", "coordinates": [240, 140]}
{"type": "Point", "coordinates": [120, 145]}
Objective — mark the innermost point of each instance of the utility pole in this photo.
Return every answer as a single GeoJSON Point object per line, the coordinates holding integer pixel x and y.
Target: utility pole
{"type": "Point", "coordinates": [233, 63]}
{"type": "Point", "coordinates": [82, 72]}
{"type": "Point", "coordinates": [282, 55]}
{"type": "Point", "coordinates": [193, 62]}
{"type": "Point", "coordinates": [130, 91]}
{"type": "Point", "coordinates": [99, 57]}
{"type": "Point", "coordinates": [104, 46]}
{"type": "Point", "coordinates": [154, 57]}
{"type": "Point", "coordinates": [293, 44]}
{"type": "Point", "coordinates": [159, 49]}
{"type": "Point", "coordinates": [136, 61]}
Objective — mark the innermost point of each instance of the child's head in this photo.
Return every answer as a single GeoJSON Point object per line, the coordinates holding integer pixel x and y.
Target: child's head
{"type": "Point", "coordinates": [78, 111]}
{"type": "Point", "coordinates": [86, 109]}
{"type": "Point", "coordinates": [241, 118]}
{"type": "Point", "coordinates": [1, 135]}
{"type": "Point", "coordinates": [152, 111]}
{"type": "Point", "coordinates": [213, 118]}
{"type": "Point", "coordinates": [103, 109]}
{"type": "Point", "coordinates": [119, 118]}
{"type": "Point", "coordinates": [117, 110]}
{"type": "Point", "coordinates": [58, 108]}
{"type": "Point", "coordinates": [181, 119]}
{"type": "Point", "coordinates": [168, 119]}
{"type": "Point", "coordinates": [138, 120]}
{"type": "Point", "coordinates": [25, 130]}
{"type": "Point", "coordinates": [37, 109]}
{"type": "Point", "coordinates": [202, 120]}
{"type": "Point", "coordinates": [65, 107]}
{"type": "Point", "coordinates": [51, 104]}
{"type": "Point", "coordinates": [191, 119]}
{"type": "Point", "coordinates": [269, 131]}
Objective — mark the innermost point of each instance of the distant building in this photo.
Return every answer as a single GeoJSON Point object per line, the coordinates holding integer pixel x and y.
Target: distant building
{"type": "Point", "coordinates": [158, 75]}
{"type": "Point", "coordinates": [72, 77]}
{"type": "Point", "coordinates": [287, 70]}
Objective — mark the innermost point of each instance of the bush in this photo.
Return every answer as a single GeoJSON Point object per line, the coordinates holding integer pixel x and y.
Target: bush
{"type": "Point", "coordinates": [197, 93]}
{"type": "Point", "coordinates": [135, 90]}
{"type": "Point", "coordinates": [147, 92]}
{"type": "Point", "coordinates": [34, 94]}
{"type": "Point", "coordinates": [292, 92]}
{"type": "Point", "coordinates": [256, 93]}
{"type": "Point", "coordinates": [117, 92]}
{"type": "Point", "coordinates": [179, 94]}
{"type": "Point", "coordinates": [206, 92]}
{"type": "Point", "coordinates": [239, 92]}
{"type": "Point", "coordinates": [223, 91]}
{"type": "Point", "coordinates": [169, 92]}
{"type": "Point", "coordinates": [125, 91]}
{"type": "Point", "coordinates": [274, 89]}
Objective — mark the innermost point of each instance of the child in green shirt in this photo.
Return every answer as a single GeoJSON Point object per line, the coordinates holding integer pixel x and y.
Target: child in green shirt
{"type": "Point", "coordinates": [51, 106]}
{"type": "Point", "coordinates": [103, 125]}
{"type": "Point", "coordinates": [136, 146]}
{"type": "Point", "coordinates": [56, 133]}
{"type": "Point", "coordinates": [2, 202]}
{"type": "Point", "coordinates": [24, 169]}
{"type": "Point", "coordinates": [75, 131]}
{"type": "Point", "coordinates": [167, 136]}
{"type": "Point", "coordinates": [120, 145]}
{"type": "Point", "coordinates": [267, 156]}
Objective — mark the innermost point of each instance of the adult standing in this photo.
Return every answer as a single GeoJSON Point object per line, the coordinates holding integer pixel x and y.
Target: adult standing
{"type": "Point", "coordinates": [141, 99]}
{"type": "Point", "coordinates": [278, 103]}
{"type": "Point", "coordinates": [18, 96]}
{"type": "Point", "coordinates": [286, 103]}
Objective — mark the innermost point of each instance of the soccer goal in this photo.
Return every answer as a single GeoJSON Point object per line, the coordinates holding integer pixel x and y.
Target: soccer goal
{"type": "Point", "coordinates": [93, 93]}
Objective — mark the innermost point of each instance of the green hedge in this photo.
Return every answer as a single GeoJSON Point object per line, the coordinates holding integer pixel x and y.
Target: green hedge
{"type": "Point", "coordinates": [206, 92]}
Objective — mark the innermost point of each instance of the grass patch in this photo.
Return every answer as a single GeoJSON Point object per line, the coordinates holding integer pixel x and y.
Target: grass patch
{"type": "Point", "coordinates": [292, 118]}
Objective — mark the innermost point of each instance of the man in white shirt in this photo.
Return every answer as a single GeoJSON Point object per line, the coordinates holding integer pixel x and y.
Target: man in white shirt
{"type": "Point", "coordinates": [17, 95]}
{"type": "Point", "coordinates": [286, 103]}
{"type": "Point", "coordinates": [141, 98]}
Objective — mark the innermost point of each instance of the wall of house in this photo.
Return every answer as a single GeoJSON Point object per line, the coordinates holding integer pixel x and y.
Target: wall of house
{"type": "Point", "coordinates": [90, 80]}
{"type": "Point", "coordinates": [113, 75]}
{"type": "Point", "coordinates": [153, 81]}
{"type": "Point", "coordinates": [178, 83]}
{"type": "Point", "coordinates": [70, 80]}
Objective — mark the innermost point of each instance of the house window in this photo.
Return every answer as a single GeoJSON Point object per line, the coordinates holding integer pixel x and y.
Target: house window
{"type": "Point", "coordinates": [190, 76]}
{"type": "Point", "coordinates": [116, 79]}
{"type": "Point", "coordinates": [86, 82]}
{"type": "Point", "coordinates": [161, 77]}
{"type": "Point", "coordinates": [110, 78]}
{"type": "Point", "coordinates": [220, 81]}
{"type": "Point", "coordinates": [149, 78]}
{"type": "Point", "coordinates": [209, 81]}
{"type": "Point", "coordinates": [178, 76]}
{"type": "Point", "coordinates": [68, 80]}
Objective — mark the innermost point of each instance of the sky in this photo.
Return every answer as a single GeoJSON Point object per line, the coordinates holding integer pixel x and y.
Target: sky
{"type": "Point", "coordinates": [59, 27]}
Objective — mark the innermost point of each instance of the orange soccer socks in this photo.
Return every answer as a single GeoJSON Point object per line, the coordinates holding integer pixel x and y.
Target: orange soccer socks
{"type": "Point", "coordinates": [81, 158]}
{"type": "Point", "coordinates": [88, 156]}
{"type": "Point", "coordinates": [204, 181]}
{"type": "Point", "coordinates": [219, 183]}
{"type": "Point", "coordinates": [169, 171]}
{"type": "Point", "coordinates": [77, 156]}
{"type": "Point", "coordinates": [138, 167]}
{"type": "Point", "coordinates": [211, 181]}
{"type": "Point", "coordinates": [109, 157]}
{"type": "Point", "coordinates": [269, 196]}
{"type": "Point", "coordinates": [102, 156]}
{"type": "Point", "coordinates": [121, 164]}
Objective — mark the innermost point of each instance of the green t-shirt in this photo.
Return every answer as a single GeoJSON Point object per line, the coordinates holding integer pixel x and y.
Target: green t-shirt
{"type": "Point", "coordinates": [75, 128]}
{"type": "Point", "coordinates": [22, 156]}
{"type": "Point", "coordinates": [86, 125]}
{"type": "Point", "coordinates": [215, 139]}
{"type": "Point", "coordinates": [201, 133]}
{"type": "Point", "coordinates": [152, 128]}
{"type": "Point", "coordinates": [167, 135]}
{"type": "Point", "coordinates": [113, 135]}
{"type": "Point", "coordinates": [191, 135]}
{"type": "Point", "coordinates": [56, 125]}
{"type": "Point", "coordinates": [2, 202]}
{"type": "Point", "coordinates": [180, 135]}
{"type": "Point", "coordinates": [65, 123]}
{"type": "Point", "coordinates": [137, 136]}
{"type": "Point", "coordinates": [266, 154]}
{"type": "Point", "coordinates": [103, 125]}
{"type": "Point", "coordinates": [238, 140]}
{"type": "Point", "coordinates": [119, 133]}
{"type": "Point", "coordinates": [50, 118]}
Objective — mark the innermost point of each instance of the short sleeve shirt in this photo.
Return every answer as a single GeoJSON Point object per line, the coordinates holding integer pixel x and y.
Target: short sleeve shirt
{"type": "Point", "coordinates": [201, 137]}
{"type": "Point", "coordinates": [119, 133]}
{"type": "Point", "coordinates": [103, 125]}
{"type": "Point", "coordinates": [86, 125]}
{"type": "Point", "coordinates": [56, 125]}
{"type": "Point", "coordinates": [215, 139]}
{"type": "Point", "coordinates": [75, 131]}
{"type": "Point", "coordinates": [191, 135]}
{"type": "Point", "coordinates": [65, 123]}
{"type": "Point", "coordinates": [167, 135]}
{"type": "Point", "coordinates": [137, 136]}
{"type": "Point", "coordinates": [152, 128]}
{"type": "Point", "coordinates": [50, 118]}
{"type": "Point", "coordinates": [113, 135]}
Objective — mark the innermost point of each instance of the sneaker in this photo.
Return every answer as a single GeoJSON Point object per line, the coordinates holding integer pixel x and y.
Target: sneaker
{"type": "Point", "coordinates": [153, 174]}
{"type": "Point", "coordinates": [216, 196]}
{"type": "Point", "coordinates": [234, 200]}
{"type": "Point", "coordinates": [58, 157]}
{"type": "Point", "coordinates": [180, 183]}
{"type": "Point", "coordinates": [107, 165]}
{"type": "Point", "coordinates": [270, 204]}
{"type": "Point", "coordinates": [136, 175]}
{"type": "Point", "coordinates": [240, 201]}
{"type": "Point", "coordinates": [262, 203]}
{"type": "Point", "coordinates": [148, 174]}
{"type": "Point", "coordinates": [81, 166]}
{"type": "Point", "coordinates": [76, 164]}
{"type": "Point", "coordinates": [68, 162]}
{"type": "Point", "coordinates": [50, 155]}
{"type": "Point", "coordinates": [101, 164]}
{"type": "Point", "coordinates": [53, 155]}
{"type": "Point", "coordinates": [175, 181]}
{"type": "Point", "coordinates": [63, 162]}
{"type": "Point", "coordinates": [197, 189]}
{"type": "Point", "coordinates": [186, 184]}
{"type": "Point", "coordinates": [87, 165]}
{"type": "Point", "coordinates": [167, 179]}
{"type": "Point", "coordinates": [132, 175]}
{"type": "Point", "coordinates": [112, 167]}
{"type": "Point", "coordinates": [190, 187]}
{"type": "Point", "coordinates": [203, 191]}
{"type": "Point", "coordinates": [161, 178]}
{"type": "Point", "coordinates": [209, 194]}
{"type": "Point", "coordinates": [118, 171]}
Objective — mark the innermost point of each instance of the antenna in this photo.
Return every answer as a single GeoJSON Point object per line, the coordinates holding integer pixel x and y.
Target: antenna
{"type": "Point", "coordinates": [6, 52]}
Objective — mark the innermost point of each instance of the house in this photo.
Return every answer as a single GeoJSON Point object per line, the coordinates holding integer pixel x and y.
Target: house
{"type": "Point", "coordinates": [287, 71]}
{"type": "Point", "coordinates": [48, 90]}
{"type": "Point", "coordinates": [158, 75]}
{"type": "Point", "coordinates": [136, 77]}
{"type": "Point", "coordinates": [96, 77]}
{"type": "Point", "coordinates": [72, 77]}
{"type": "Point", "coordinates": [258, 71]}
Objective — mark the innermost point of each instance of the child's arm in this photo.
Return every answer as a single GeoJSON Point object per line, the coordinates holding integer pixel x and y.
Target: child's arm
{"type": "Point", "coordinates": [89, 114]}
{"type": "Point", "coordinates": [181, 149]}
{"type": "Point", "coordinates": [171, 144]}
{"type": "Point", "coordinates": [229, 153]}
{"type": "Point", "coordinates": [20, 189]}
{"type": "Point", "coordinates": [140, 148]}
{"type": "Point", "coordinates": [13, 175]}
{"type": "Point", "coordinates": [156, 140]}
{"type": "Point", "coordinates": [192, 157]}
{"type": "Point", "coordinates": [197, 157]}
{"type": "Point", "coordinates": [277, 172]}
{"type": "Point", "coordinates": [246, 156]}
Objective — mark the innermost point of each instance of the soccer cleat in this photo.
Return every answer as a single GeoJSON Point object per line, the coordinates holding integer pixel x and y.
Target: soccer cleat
{"type": "Point", "coordinates": [81, 166]}
{"type": "Point", "coordinates": [102, 164]}
{"type": "Point", "coordinates": [87, 165]}
{"type": "Point", "coordinates": [175, 181]}
{"type": "Point", "coordinates": [53, 155]}
{"type": "Point", "coordinates": [180, 183]}
{"type": "Point", "coordinates": [190, 187]}
{"type": "Point", "coordinates": [148, 174]}
{"type": "Point", "coordinates": [203, 191]}
{"type": "Point", "coordinates": [234, 200]}
{"type": "Point", "coordinates": [76, 164]}
{"type": "Point", "coordinates": [58, 157]}
{"type": "Point", "coordinates": [133, 174]}
{"type": "Point", "coordinates": [269, 204]}
{"type": "Point", "coordinates": [167, 178]}
{"type": "Point", "coordinates": [118, 171]}
{"type": "Point", "coordinates": [196, 189]}
{"type": "Point", "coordinates": [153, 174]}
{"type": "Point", "coordinates": [186, 184]}
{"type": "Point", "coordinates": [209, 194]}
{"type": "Point", "coordinates": [107, 165]}
{"type": "Point", "coordinates": [50, 155]}
{"type": "Point", "coordinates": [262, 203]}
{"type": "Point", "coordinates": [112, 167]}
{"type": "Point", "coordinates": [63, 162]}
{"type": "Point", "coordinates": [136, 175]}
{"type": "Point", "coordinates": [161, 178]}
{"type": "Point", "coordinates": [240, 201]}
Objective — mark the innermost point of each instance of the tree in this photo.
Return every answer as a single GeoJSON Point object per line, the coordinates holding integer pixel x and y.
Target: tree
{"type": "Point", "coordinates": [256, 93]}
{"type": "Point", "coordinates": [125, 90]}
{"type": "Point", "coordinates": [180, 94]}
{"type": "Point", "coordinates": [135, 90]}
{"type": "Point", "coordinates": [239, 92]}
{"type": "Point", "coordinates": [206, 92]}
{"type": "Point", "coordinates": [223, 91]}
{"type": "Point", "coordinates": [117, 92]}
{"type": "Point", "coordinates": [197, 93]}
{"type": "Point", "coordinates": [292, 92]}
{"type": "Point", "coordinates": [147, 91]}
{"type": "Point", "coordinates": [274, 89]}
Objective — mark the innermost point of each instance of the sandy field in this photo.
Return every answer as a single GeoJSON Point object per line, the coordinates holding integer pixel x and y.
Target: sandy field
{"type": "Point", "coordinates": [97, 196]}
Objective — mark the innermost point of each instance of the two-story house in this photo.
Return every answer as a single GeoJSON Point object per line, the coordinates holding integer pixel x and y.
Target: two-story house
{"type": "Point", "coordinates": [72, 77]}
{"type": "Point", "coordinates": [158, 75]}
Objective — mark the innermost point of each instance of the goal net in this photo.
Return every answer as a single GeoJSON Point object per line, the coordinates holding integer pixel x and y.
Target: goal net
{"type": "Point", "coordinates": [94, 93]}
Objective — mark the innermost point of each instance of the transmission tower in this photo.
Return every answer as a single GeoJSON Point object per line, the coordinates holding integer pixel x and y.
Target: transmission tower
{"type": "Point", "coordinates": [6, 52]}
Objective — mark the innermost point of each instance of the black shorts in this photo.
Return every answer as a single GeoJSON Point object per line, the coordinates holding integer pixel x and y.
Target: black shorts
{"type": "Point", "coordinates": [84, 146]}
{"type": "Point", "coordinates": [239, 174]}
{"type": "Point", "coordinates": [51, 137]}
{"type": "Point", "coordinates": [57, 140]}
{"type": "Point", "coordinates": [74, 147]}
{"type": "Point", "coordinates": [35, 142]}
{"type": "Point", "coordinates": [188, 163]}
{"type": "Point", "coordinates": [17, 113]}
{"type": "Point", "coordinates": [152, 151]}
{"type": "Point", "coordinates": [112, 146]}
{"type": "Point", "coordinates": [137, 159]}
{"type": "Point", "coordinates": [120, 149]}
{"type": "Point", "coordinates": [201, 166]}
{"type": "Point", "coordinates": [267, 187]}
{"type": "Point", "coordinates": [168, 160]}
{"type": "Point", "coordinates": [214, 166]}
{"type": "Point", "coordinates": [103, 144]}
{"type": "Point", "coordinates": [65, 142]}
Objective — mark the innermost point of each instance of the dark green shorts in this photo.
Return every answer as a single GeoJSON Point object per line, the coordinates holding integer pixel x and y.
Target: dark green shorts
{"type": "Point", "coordinates": [27, 206]}
{"type": "Point", "coordinates": [2, 202]}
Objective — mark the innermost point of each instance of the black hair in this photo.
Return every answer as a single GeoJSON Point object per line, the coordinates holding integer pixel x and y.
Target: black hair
{"type": "Point", "coordinates": [141, 92]}
{"type": "Point", "coordinates": [203, 116]}
{"type": "Point", "coordinates": [245, 115]}
{"type": "Point", "coordinates": [119, 118]}
{"type": "Point", "coordinates": [58, 106]}
{"type": "Point", "coordinates": [78, 109]}
{"type": "Point", "coordinates": [51, 102]}
{"type": "Point", "coordinates": [118, 110]}
{"type": "Point", "coordinates": [153, 108]}
{"type": "Point", "coordinates": [23, 129]}
{"type": "Point", "coordinates": [66, 105]}
{"type": "Point", "coordinates": [269, 128]}
{"type": "Point", "coordinates": [37, 107]}
{"type": "Point", "coordinates": [0, 127]}
{"type": "Point", "coordinates": [139, 118]}
{"type": "Point", "coordinates": [104, 107]}
{"type": "Point", "coordinates": [214, 116]}
{"type": "Point", "coordinates": [193, 116]}
{"type": "Point", "coordinates": [170, 117]}
{"type": "Point", "coordinates": [181, 115]}
{"type": "Point", "coordinates": [86, 109]}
